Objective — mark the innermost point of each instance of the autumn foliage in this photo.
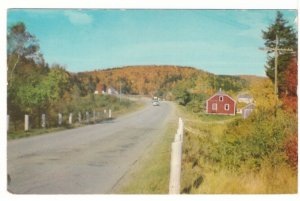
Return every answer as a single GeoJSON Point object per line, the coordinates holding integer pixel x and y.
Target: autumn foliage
{"type": "Point", "coordinates": [290, 99]}
{"type": "Point", "coordinates": [291, 149]}
{"type": "Point", "coordinates": [145, 80]}
{"type": "Point", "coordinates": [290, 102]}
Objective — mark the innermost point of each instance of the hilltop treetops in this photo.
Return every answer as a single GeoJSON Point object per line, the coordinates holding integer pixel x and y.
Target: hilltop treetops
{"type": "Point", "coordinates": [165, 81]}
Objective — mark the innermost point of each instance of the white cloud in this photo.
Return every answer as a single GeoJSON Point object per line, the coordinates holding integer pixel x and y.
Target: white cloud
{"type": "Point", "coordinates": [78, 18]}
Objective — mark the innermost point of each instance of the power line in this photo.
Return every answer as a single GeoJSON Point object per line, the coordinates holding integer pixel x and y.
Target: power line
{"type": "Point", "coordinates": [276, 51]}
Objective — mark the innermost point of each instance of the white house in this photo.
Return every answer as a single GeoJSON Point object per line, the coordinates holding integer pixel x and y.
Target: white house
{"type": "Point", "coordinates": [247, 110]}
{"type": "Point", "coordinates": [245, 98]}
{"type": "Point", "coordinates": [112, 91]}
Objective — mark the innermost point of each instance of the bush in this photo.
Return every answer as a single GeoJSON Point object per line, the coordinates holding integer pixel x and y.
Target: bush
{"type": "Point", "coordinates": [291, 149]}
{"type": "Point", "coordinates": [248, 143]}
{"type": "Point", "coordinates": [80, 104]}
{"type": "Point", "coordinates": [197, 103]}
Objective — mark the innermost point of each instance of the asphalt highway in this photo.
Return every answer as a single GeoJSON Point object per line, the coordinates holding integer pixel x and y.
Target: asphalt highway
{"type": "Point", "coordinates": [86, 160]}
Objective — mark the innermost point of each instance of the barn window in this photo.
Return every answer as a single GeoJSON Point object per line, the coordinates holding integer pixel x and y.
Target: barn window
{"type": "Point", "coordinates": [226, 107]}
{"type": "Point", "coordinates": [220, 98]}
{"type": "Point", "coordinates": [214, 106]}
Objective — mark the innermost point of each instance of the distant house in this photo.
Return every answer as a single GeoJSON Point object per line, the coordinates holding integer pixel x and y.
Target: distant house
{"type": "Point", "coordinates": [112, 91]}
{"type": "Point", "coordinates": [100, 89]}
{"type": "Point", "coordinates": [247, 110]}
{"type": "Point", "coordinates": [245, 98]}
{"type": "Point", "coordinates": [221, 104]}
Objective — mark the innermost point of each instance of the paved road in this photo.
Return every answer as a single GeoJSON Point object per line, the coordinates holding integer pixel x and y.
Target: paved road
{"type": "Point", "coordinates": [86, 160]}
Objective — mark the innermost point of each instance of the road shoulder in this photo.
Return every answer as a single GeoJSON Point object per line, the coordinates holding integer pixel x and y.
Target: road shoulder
{"type": "Point", "coordinates": [150, 173]}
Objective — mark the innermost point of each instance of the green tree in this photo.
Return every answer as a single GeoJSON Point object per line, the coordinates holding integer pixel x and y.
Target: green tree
{"type": "Point", "coordinates": [21, 45]}
{"type": "Point", "coordinates": [124, 84]}
{"type": "Point", "coordinates": [182, 96]}
{"type": "Point", "coordinates": [287, 39]}
{"type": "Point", "coordinates": [57, 82]}
{"type": "Point", "coordinates": [92, 84]}
{"type": "Point", "coordinates": [78, 83]}
{"type": "Point", "coordinates": [26, 69]}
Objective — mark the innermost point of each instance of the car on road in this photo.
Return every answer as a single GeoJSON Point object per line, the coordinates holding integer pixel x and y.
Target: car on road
{"type": "Point", "coordinates": [155, 103]}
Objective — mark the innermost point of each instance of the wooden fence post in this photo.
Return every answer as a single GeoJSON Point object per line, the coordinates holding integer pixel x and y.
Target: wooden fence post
{"type": "Point", "coordinates": [79, 117]}
{"type": "Point", "coordinates": [60, 120]}
{"type": "Point", "coordinates": [109, 113]}
{"type": "Point", "coordinates": [175, 164]}
{"type": "Point", "coordinates": [7, 121]}
{"type": "Point", "coordinates": [98, 116]}
{"type": "Point", "coordinates": [174, 186]}
{"type": "Point", "coordinates": [70, 118]}
{"type": "Point", "coordinates": [87, 114]}
{"type": "Point", "coordinates": [43, 120]}
{"type": "Point", "coordinates": [94, 115]}
{"type": "Point", "coordinates": [26, 126]}
{"type": "Point", "coordinates": [177, 138]}
{"type": "Point", "coordinates": [180, 129]}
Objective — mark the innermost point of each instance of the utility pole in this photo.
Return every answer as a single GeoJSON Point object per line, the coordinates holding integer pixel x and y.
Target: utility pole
{"type": "Point", "coordinates": [276, 51]}
{"type": "Point", "coordinates": [120, 89]}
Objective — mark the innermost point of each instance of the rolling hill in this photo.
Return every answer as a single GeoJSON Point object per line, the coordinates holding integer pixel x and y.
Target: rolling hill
{"type": "Point", "coordinates": [160, 80]}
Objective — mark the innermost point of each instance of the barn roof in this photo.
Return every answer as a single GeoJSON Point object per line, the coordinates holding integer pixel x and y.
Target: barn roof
{"type": "Point", "coordinates": [221, 93]}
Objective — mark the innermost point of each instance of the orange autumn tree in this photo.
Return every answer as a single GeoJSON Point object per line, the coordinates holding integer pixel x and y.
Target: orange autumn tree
{"type": "Point", "coordinates": [291, 81]}
{"type": "Point", "coordinates": [290, 102]}
{"type": "Point", "coordinates": [153, 80]}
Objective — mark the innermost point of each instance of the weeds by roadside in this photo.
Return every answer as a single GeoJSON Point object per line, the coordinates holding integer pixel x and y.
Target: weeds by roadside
{"type": "Point", "coordinates": [118, 108]}
{"type": "Point", "coordinates": [209, 166]}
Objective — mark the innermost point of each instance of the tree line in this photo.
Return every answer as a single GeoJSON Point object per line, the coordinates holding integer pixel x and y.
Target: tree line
{"type": "Point", "coordinates": [34, 87]}
{"type": "Point", "coordinates": [270, 135]}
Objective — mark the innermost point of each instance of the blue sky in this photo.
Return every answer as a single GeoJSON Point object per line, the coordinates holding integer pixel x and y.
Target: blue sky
{"type": "Point", "coordinates": [218, 41]}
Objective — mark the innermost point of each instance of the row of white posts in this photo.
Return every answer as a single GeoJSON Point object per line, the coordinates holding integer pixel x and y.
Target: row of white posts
{"type": "Point", "coordinates": [175, 166]}
{"type": "Point", "coordinates": [60, 119]}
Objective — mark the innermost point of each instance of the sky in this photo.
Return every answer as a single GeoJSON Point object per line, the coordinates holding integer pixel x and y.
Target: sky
{"type": "Point", "coordinates": [217, 41]}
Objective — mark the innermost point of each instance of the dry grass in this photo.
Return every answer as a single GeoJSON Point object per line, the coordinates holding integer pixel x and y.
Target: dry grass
{"type": "Point", "coordinates": [203, 176]}
{"type": "Point", "coordinates": [135, 106]}
{"type": "Point", "coordinates": [268, 181]}
{"type": "Point", "coordinates": [200, 175]}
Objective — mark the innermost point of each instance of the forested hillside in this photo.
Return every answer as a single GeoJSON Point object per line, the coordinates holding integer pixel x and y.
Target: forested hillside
{"type": "Point", "coordinates": [164, 80]}
{"type": "Point", "coordinates": [147, 80]}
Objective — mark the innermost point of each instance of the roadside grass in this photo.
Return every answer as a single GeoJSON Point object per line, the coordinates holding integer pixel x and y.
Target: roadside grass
{"type": "Point", "coordinates": [41, 131]}
{"type": "Point", "coordinates": [267, 181]}
{"type": "Point", "coordinates": [211, 117]}
{"type": "Point", "coordinates": [11, 135]}
{"type": "Point", "coordinates": [33, 132]}
{"type": "Point", "coordinates": [151, 174]}
{"type": "Point", "coordinates": [202, 175]}
{"type": "Point", "coordinates": [125, 110]}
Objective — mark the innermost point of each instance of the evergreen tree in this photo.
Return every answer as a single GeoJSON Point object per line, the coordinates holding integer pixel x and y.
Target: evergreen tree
{"type": "Point", "coordinates": [287, 39]}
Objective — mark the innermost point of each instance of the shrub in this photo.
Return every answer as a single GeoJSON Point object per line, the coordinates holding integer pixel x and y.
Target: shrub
{"type": "Point", "coordinates": [248, 143]}
{"type": "Point", "coordinates": [291, 149]}
{"type": "Point", "coordinates": [197, 103]}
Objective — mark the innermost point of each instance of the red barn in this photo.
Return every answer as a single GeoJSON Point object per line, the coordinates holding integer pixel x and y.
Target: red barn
{"type": "Point", "coordinates": [220, 103]}
{"type": "Point", "coordinates": [100, 88]}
